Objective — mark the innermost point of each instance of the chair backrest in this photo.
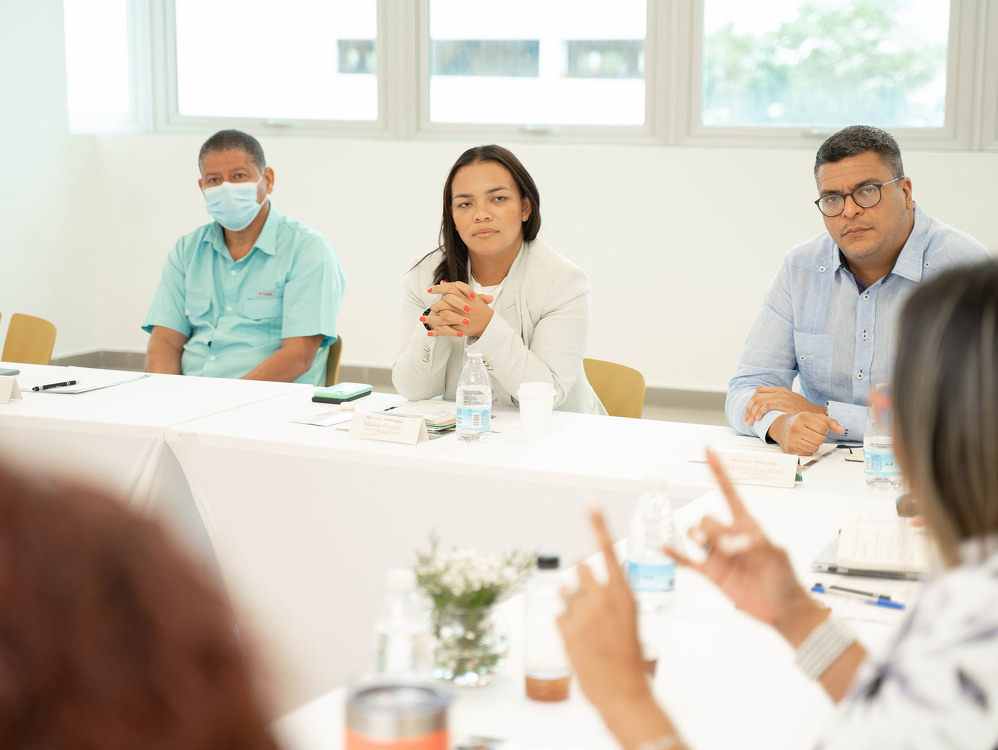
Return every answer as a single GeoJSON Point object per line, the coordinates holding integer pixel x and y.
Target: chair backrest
{"type": "Point", "coordinates": [333, 362]}
{"type": "Point", "coordinates": [619, 387]}
{"type": "Point", "coordinates": [29, 340]}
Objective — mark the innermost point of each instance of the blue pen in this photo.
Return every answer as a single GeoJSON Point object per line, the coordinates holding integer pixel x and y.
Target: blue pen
{"type": "Point", "coordinates": [877, 600]}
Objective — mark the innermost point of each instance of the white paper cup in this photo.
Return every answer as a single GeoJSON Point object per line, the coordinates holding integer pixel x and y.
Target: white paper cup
{"type": "Point", "coordinates": [536, 405]}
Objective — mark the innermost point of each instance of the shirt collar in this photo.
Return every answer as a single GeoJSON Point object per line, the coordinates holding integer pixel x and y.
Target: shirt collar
{"type": "Point", "coordinates": [266, 242]}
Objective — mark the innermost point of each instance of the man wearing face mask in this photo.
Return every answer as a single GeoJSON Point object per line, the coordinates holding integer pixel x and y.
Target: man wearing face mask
{"type": "Point", "coordinates": [251, 295]}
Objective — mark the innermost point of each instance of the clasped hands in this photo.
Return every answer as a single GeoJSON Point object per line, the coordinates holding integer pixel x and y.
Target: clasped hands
{"type": "Point", "coordinates": [803, 426]}
{"type": "Point", "coordinates": [460, 312]}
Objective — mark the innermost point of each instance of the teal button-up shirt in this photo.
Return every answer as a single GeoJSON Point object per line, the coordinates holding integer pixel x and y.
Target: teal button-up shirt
{"type": "Point", "coordinates": [235, 313]}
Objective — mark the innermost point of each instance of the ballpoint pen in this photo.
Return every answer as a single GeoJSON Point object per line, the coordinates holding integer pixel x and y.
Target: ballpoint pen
{"type": "Point", "coordinates": [877, 600]}
{"type": "Point", "coordinates": [53, 385]}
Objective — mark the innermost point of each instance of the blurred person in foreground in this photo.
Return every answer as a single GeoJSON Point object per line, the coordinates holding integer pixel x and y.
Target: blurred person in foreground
{"type": "Point", "coordinates": [110, 638]}
{"type": "Point", "coordinates": [937, 684]}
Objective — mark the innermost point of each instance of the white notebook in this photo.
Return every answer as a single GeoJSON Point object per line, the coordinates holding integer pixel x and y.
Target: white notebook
{"type": "Point", "coordinates": [882, 545]}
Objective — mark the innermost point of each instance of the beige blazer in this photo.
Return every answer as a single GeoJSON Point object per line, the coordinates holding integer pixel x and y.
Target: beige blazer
{"type": "Point", "coordinates": [538, 334]}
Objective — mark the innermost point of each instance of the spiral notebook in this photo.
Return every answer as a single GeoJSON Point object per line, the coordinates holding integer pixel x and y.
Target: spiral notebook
{"type": "Point", "coordinates": [878, 545]}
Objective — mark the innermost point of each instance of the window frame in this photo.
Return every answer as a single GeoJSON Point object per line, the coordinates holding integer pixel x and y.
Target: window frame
{"type": "Point", "coordinates": [167, 114]}
{"type": "Point", "coordinates": [959, 107]}
{"type": "Point", "coordinates": [673, 75]}
{"type": "Point", "coordinates": [647, 133]}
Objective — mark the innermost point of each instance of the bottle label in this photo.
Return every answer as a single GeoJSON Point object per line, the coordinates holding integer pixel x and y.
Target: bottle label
{"type": "Point", "coordinates": [656, 577]}
{"type": "Point", "coordinates": [880, 463]}
{"type": "Point", "coordinates": [474, 418]}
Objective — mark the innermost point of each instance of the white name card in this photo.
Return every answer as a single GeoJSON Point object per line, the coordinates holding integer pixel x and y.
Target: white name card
{"type": "Point", "coordinates": [9, 390]}
{"type": "Point", "coordinates": [765, 469]}
{"type": "Point", "coordinates": [393, 428]}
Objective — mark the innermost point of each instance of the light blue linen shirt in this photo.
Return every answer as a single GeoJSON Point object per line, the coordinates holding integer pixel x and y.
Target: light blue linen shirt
{"type": "Point", "coordinates": [235, 313]}
{"type": "Point", "coordinates": [815, 324]}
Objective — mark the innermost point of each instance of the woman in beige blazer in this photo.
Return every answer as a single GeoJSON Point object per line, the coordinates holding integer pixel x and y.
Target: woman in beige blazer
{"type": "Point", "coordinates": [492, 283]}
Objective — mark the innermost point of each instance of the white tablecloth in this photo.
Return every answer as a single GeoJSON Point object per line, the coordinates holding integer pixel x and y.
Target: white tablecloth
{"type": "Point", "coordinates": [305, 520]}
{"type": "Point", "coordinates": [726, 680]}
{"type": "Point", "coordinates": [114, 437]}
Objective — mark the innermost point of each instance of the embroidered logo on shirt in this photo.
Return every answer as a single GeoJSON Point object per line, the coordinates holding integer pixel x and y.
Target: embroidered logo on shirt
{"type": "Point", "coordinates": [266, 294]}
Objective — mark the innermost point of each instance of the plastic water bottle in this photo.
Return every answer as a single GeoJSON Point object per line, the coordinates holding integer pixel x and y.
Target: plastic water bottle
{"type": "Point", "coordinates": [879, 463]}
{"type": "Point", "coordinates": [548, 673]}
{"type": "Point", "coordinates": [650, 572]}
{"type": "Point", "coordinates": [474, 400]}
{"type": "Point", "coordinates": [402, 633]}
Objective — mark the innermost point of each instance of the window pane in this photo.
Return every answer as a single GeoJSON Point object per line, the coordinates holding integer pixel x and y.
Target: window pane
{"type": "Point", "coordinates": [97, 64]}
{"type": "Point", "coordinates": [560, 62]}
{"type": "Point", "coordinates": [810, 63]}
{"type": "Point", "coordinates": [299, 59]}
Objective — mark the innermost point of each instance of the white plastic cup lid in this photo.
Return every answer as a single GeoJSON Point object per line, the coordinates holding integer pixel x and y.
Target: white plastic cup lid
{"type": "Point", "coordinates": [535, 389]}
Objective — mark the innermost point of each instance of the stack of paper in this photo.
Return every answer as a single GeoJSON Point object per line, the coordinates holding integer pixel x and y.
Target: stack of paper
{"type": "Point", "coordinates": [439, 416]}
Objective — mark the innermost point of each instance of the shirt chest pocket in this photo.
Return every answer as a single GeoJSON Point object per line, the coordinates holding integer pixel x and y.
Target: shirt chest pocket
{"type": "Point", "coordinates": [814, 361]}
{"type": "Point", "coordinates": [263, 308]}
{"type": "Point", "coordinates": [197, 308]}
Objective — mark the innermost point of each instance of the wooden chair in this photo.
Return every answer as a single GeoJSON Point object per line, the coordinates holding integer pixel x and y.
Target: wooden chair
{"type": "Point", "coordinates": [29, 340]}
{"type": "Point", "coordinates": [620, 388]}
{"type": "Point", "coordinates": [333, 362]}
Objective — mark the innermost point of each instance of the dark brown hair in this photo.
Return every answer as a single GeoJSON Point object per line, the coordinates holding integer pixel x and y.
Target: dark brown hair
{"type": "Point", "coordinates": [454, 266]}
{"type": "Point", "coordinates": [109, 637]}
{"type": "Point", "coordinates": [946, 403]}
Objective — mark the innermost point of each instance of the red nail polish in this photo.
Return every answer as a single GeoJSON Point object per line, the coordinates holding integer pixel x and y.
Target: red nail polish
{"type": "Point", "coordinates": [422, 318]}
{"type": "Point", "coordinates": [467, 309]}
{"type": "Point", "coordinates": [466, 322]}
{"type": "Point", "coordinates": [459, 334]}
{"type": "Point", "coordinates": [429, 333]}
{"type": "Point", "coordinates": [472, 295]}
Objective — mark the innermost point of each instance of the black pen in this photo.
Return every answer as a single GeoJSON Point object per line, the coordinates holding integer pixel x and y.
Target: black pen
{"type": "Point", "coordinates": [53, 385]}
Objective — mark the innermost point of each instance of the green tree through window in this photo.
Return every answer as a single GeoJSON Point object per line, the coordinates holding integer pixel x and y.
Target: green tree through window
{"type": "Point", "coordinates": [831, 65]}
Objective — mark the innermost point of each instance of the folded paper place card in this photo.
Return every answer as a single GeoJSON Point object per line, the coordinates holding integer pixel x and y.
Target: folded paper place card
{"type": "Point", "coordinates": [393, 428]}
{"type": "Point", "coordinates": [9, 390]}
{"type": "Point", "coordinates": [765, 469]}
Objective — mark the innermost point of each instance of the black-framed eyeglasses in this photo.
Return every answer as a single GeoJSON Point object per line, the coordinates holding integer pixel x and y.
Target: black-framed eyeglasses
{"type": "Point", "coordinates": [865, 196]}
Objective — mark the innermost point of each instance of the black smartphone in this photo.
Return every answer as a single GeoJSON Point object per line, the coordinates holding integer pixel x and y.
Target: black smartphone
{"type": "Point", "coordinates": [341, 392]}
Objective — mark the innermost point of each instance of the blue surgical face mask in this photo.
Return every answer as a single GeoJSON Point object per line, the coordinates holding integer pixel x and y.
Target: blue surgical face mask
{"type": "Point", "coordinates": [233, 204]}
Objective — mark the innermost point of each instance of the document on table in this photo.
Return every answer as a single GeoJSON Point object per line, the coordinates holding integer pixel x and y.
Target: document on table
{"type": "Point", "coordinates": [329, 416]}
{"type": "Point", "coordinates": [86, 380]}
{"type": "Point", "coordinates": [751, 444]}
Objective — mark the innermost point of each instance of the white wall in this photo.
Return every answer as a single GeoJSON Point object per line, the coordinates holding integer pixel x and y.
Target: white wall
{"type": "Point", "coordinates": [679, 243]}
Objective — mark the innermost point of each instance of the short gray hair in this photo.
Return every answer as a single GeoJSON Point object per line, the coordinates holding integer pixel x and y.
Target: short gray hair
{"type": "Point", "coordinates": [946, 403]}
{"type": "Point", "coordinates": [228, 140]}
{"type": "Point", "coordinates": [856, 140]}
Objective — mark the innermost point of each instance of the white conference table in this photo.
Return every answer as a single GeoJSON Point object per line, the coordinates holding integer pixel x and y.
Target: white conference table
{"type": "Point", "coordinates": [727, 680]}
{"type": "Point", "coordinates": [114, 437]}
{"type": "Point", "coordinates": [306, 520]}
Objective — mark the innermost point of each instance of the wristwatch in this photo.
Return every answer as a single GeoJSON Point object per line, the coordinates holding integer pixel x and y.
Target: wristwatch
{"type": "Point", "coordinates": [427, 312]}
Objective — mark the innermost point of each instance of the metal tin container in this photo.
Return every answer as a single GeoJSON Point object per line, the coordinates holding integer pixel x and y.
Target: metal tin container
{"type": "Point", "coordinates": [399, 714]}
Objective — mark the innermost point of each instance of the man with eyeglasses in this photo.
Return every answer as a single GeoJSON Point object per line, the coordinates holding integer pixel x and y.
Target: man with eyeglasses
{"type": "Point", "coordinates": [830, 315]}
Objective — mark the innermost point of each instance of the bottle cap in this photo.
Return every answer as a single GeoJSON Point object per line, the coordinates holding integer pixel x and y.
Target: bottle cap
{"type": "Point", "coordinates": [400, 579]}
{"type": "Point", "coordinates": [547, 561]}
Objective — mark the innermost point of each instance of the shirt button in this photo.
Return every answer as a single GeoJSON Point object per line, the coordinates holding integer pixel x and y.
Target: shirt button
{"type": "Point", "coordinates": [212, 357]}
{"type": "Point", "coordinates": [866, 296]}
{"type": "Point", "coordinates": [821, 269]}
{"type": "Point", "coordinates": [864, 337]}
{"type": "Point", "coordinates": [228, 309]}
{"type": "Point", "coordinates": [803, 358]}
{"type": "Point", "coordinates": [859, 376]}
{"type": "Point", "coordinates": [187, 312]}
{"type": "Point", "coordinates": [232, 273]}
{"type": "Point", "coordinates": [927, 264]}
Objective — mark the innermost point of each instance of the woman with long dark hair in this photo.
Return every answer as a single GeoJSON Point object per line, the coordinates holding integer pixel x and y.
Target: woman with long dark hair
{"type": "Point", "coordinates": [491, 282]}
{"type": "Point", "coordinates": [937, 683]}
